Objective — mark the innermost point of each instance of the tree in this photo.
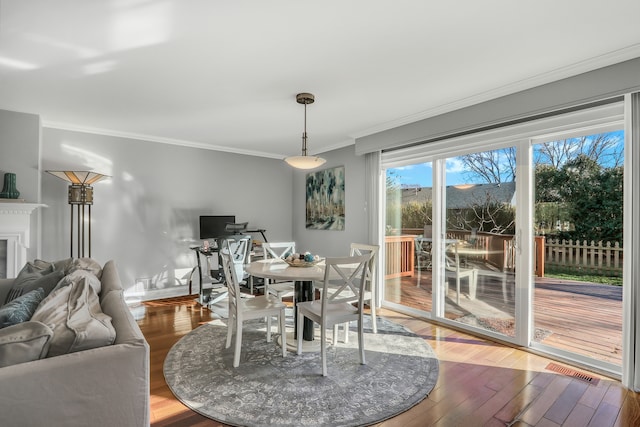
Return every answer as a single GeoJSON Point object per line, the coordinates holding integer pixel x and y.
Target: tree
{"type": "Point", "coordinates": [497, 166]}
{"type": "Point", "coordinates": [604, 148]}
{"type": "Point", "coordinates": [577, 180]}
{"type": "Point", "coordinates": [593, 195]}
{"type": "Point", "coordinates": [491, 167]}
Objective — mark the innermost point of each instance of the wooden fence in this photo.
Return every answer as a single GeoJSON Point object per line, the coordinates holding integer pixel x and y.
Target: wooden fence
{"type": "Point", "coordinates": [582, 256]}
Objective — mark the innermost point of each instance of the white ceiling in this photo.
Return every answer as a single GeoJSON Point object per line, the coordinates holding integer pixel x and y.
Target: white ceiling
{"type": "Point", "coordinates": [224, 74]}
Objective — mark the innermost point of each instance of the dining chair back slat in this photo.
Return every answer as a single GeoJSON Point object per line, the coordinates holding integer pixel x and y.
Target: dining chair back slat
{"type": "Point", "coordinates": [278, 250]}
{"type": "Point", "coordinates": [241, 309]}
{"type": "Point", "coordinates": [340, 273]}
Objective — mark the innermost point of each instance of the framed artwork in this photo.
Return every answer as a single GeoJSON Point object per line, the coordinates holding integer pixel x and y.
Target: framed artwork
{"type": "Point", "coordinates": [325, 199]}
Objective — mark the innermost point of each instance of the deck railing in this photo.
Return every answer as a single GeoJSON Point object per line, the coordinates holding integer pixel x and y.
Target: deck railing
{"type": "Point", "coordinates": [583, 256]}
{"type": "Point", "coordinates": [600, 258]}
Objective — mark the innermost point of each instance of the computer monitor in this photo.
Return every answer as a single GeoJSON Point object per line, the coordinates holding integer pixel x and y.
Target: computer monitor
{"type": "Point", "coordinates": [212, 226]}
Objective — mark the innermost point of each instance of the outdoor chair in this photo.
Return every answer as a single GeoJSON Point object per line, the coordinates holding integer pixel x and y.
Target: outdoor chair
{"type": "Point", "coordinates": [453, 269]}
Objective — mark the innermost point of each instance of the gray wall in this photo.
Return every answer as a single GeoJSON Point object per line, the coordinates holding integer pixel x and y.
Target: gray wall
{"type": "Point", "coordinates": [596, 85]}
{"type": "Point", "coordinates": [329, 242]}
{"type": "Point", "coordinates": [20, 154]}
{"type": "Point", "coordinates": [146, 216]}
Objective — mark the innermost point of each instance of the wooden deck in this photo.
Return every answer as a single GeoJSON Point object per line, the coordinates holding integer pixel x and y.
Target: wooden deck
{"type": "Point", "coordinates": [579, 317]}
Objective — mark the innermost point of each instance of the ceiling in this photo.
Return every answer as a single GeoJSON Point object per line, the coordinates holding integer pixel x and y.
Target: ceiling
{"type": "Point", "coordinates": [224, 74]}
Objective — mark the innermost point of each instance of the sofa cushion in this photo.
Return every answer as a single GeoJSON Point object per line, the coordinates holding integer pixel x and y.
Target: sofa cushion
{"type": "Point", "coordinates": [24, 342]}
{"type": "Point", "coordinates": [20, 309]}
{"type": "Point", "coordinates": [35, 275]}
{"type": "Point", "coordinates": [73, 313]}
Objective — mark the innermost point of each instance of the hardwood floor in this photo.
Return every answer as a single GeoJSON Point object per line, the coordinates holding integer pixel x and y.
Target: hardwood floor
{"type": "Point", "coordinates": [481, 383]}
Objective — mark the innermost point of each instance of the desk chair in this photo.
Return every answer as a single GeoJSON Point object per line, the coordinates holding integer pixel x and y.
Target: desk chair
{"type": "Point", "coordinates": [241, 309]}
{"type": "Point", "coordinates": [240, 247]}
{"type": "Point", "coordinates": [332, 309]}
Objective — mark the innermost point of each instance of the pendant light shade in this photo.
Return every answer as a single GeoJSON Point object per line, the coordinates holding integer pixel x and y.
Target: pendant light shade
{"type": "Point", "coordinates": [304, 161]}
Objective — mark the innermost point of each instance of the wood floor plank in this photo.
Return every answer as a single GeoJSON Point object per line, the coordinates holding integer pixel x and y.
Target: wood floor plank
{"type": "Point", "coordinates": [579, 416]}
{"type": "Point", "coordinates": [605, 416]}
{"type": "Point", "coordinates": [535, 412]}
{"type": "Point", "coordinates": [564, 404]}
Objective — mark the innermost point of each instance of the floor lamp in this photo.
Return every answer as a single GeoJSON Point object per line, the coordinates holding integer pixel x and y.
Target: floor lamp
{"type": "Point", "coordinates": [80, 196]}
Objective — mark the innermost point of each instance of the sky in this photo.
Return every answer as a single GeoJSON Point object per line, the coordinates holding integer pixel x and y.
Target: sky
{"type": "Point", "coordinates": [421, 174]}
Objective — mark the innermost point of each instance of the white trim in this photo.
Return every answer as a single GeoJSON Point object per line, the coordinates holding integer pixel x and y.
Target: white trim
{"type": "Point", "coordinates": [631, 268]}
{"type": "Point", "coordinates": [162, 140]}
{"type": "Point", "coordinates": [15, 228]}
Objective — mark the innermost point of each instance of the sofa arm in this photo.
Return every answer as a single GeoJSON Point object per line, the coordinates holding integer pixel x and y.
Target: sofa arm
{"type": "Point", "coordinates": [106, 386]}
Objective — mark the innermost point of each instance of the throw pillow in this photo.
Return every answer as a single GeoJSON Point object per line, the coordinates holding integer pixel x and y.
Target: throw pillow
{"type": "Point", "coordinates": [62, 264]}
{"type": "Point", "coordinates": [24, 342]}
{"type": "Point", "coordinates": [34, 275]}
{"type": "Point", "coordinates": [20, 309]}
{"type": "Point", "coordinates": [73, 313]}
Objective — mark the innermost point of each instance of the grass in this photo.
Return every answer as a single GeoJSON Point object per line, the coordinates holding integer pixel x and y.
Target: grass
{"type": "Point", "coordinates": [605, 280]}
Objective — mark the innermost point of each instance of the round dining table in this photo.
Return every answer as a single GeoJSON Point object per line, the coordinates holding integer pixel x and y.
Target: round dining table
{"type": "Point", "coordinates": [303, 278]}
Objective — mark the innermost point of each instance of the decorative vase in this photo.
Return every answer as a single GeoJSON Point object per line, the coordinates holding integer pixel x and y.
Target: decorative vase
{"type": "Point", "coordinates": [9, 191]}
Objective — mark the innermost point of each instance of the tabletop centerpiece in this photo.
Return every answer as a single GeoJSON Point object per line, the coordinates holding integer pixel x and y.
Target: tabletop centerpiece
{"type": "Point", "coordinates": [306, 259]}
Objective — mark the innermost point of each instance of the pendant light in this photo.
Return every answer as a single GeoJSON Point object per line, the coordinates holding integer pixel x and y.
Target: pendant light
{"type": "Point", "coordinates": [304, 161]}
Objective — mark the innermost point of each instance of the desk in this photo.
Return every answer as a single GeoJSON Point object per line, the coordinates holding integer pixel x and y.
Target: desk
{"type": "Point", "coordinates": [199, 250]}
{"type": "Point", "coordinates": [302, 276]}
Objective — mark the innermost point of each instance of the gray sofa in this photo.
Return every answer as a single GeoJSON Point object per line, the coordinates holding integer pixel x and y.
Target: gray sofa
{"type": "Point", "coordinates": [104, 386]}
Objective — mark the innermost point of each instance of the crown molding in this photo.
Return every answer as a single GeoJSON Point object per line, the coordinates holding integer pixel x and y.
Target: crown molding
{"type": "Point", "coordinates": [152, 138]}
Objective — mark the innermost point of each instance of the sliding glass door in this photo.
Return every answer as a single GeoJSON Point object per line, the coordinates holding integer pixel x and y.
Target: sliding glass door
{"type": "Point", "coordinates": [578, 230]}
{"type": "Point", "coordinates": [514, 233]}
{"type": "Point", "coordinates": [477, 252]}
{"type": "Point", "coordinates": [407, 237]}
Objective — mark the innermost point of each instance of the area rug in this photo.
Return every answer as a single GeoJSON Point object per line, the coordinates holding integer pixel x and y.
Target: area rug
{"type": "Point", "coordinates": [269, 390]}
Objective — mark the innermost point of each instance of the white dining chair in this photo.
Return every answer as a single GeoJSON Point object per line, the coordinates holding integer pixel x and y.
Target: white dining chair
{"type": "Point", "coordinates": [278, 250]}
{"type": "Point", "coordinates": [332, 309]}
{"type": "Point", "coordinates": [241, 309]}
{"type": "Point", "coordinates": [370, 287]}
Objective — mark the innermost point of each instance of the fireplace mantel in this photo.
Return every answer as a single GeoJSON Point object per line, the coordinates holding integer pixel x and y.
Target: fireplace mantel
{"type": "Point", "coordinates": [15, 208]}
{"type": "Point", "coordinates": [15, 229]}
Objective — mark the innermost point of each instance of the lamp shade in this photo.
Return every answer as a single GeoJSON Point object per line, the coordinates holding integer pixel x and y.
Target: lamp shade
{"type": "Point", "coordinates": [79, 177]}
{"type": "Point", "coordinates": [304, 162]}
